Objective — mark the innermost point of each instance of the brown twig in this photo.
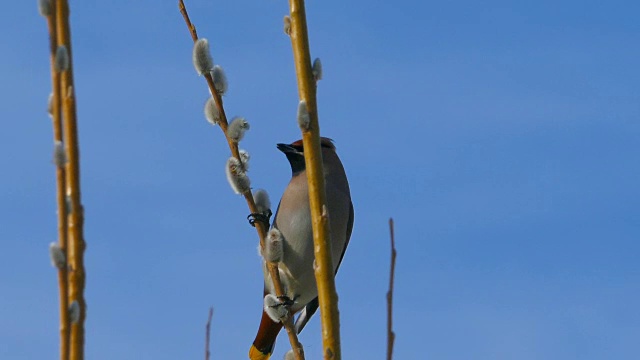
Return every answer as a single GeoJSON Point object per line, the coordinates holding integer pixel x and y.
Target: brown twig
{"type": "Point", "coordinates": [75, 218]}
{"type": "Point", "coordinates": [260, 227]}
{"type": "Point", "coordinates": [391, 336]}
{"type": "Point", "coordinates": [60, 190]}
{"type": "Point", "coordinates": [298, 350]}
{"type": "Point", "coordinates": [324, 271]}
{"type": "Point", "coordinates": [207, 353]}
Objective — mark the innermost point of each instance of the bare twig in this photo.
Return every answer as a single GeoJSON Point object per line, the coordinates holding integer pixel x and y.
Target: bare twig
{"type": "Point", "coordinates": [296, 346]}
{"type": "Point", "coordinates": [233, 146]}
{"type": "Point", "coordinates": [185, 15]}
{"type": "Point", "coordinates": [391, 336]}
{"type": "Point", "coordinates": [324, 271]}
{"type": "Point", "coordinates": [207, 353]}
{"type": "Point", "coordinates": [55, 108]}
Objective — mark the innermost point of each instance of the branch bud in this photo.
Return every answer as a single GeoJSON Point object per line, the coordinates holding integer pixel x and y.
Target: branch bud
{"type": "Point", "coordinates": [202, 60]}
{"type": "Point", "coordinates": [237, 128]}
{"type": "Point", "coordinates": [274, 246]}
{"type": "Point", "coordinates": [316, 69]}
{"type": "Point", "coordinates": [59, 156]}
{"type": "Point", "coordinates": [287, 25]}
{"type": "Point", "coordinates": [274, 308]}
{"type": "Point", "coordinates": [45, 8]}
{"type": "Point", "coordinates": [244, 158]}
{"type": "Point", "coordinates": [304, 119]}
{"type": "Point", "coordinates": [236, 176]}
{"type": "Point", "coordinates": [58, 260]}
{"type": "Point", "coordinates": [211, 111]}
{"type": "Point", "coordinates": [219, 79]}
{"type": "Point", "coordinates": [68, 204]}
{"type": "Point", "coordinates": [261, 198]}
{"type": "Point", "coordinates": [290, 355]}
{"type": "Point", "coordinates": [50, 105]}
{"type": "Point", "coordinates": [61, 62]}
{"type": "Point", "coordinates": [74, 312]}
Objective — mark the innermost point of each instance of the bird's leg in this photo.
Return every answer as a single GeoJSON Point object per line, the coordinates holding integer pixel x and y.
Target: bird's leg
{"type": "Point", "coordinates": [264, 218]}
{"type": "Point", "coordinates": [286, 301]}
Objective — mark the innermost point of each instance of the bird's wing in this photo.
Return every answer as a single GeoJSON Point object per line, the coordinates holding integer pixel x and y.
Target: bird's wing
{"type": "Point", "coordinates": [305, 314]}
{"type": "Point", "coordinates": [349, 229]}
{"type": "Point", "coordinates": [312, 306]}
{"type": "Point", "coordinates": [276, 215]}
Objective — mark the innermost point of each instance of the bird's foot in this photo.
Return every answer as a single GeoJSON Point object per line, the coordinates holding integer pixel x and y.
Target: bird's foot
{"type": "Point", "coordinates": [286, 301]}
{"type": "Point", "coordinates": [264, 218]}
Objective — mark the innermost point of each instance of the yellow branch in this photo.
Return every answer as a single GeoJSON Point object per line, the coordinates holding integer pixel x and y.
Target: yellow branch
{"type": "Point", "coordinates": [76, 244]}
{"type": "Point", "coordinates": [60, 192]}
{"type": "Point", "coordinates": [327, 296]}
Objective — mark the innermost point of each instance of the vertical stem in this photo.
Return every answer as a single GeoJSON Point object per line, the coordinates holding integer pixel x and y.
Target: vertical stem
{"type": "Point", "coordinates": [207, 352]}
{"type": "Point", "coordinates": [391, 336]}
{"type": "Point", "coordinates": [76, 244]}
{"type": "Point", "coordinates": [296, 346]}
{"type": "Point", "coordinates": [60, 192]}
{"type": "Point", "coordinates": [327, 296]}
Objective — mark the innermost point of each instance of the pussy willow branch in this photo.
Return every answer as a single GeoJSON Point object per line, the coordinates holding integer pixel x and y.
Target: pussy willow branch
{"type": "Point", "coordinates": [327, 295]}
{"type": "Point", "coordinates": [391, 336]}
{"type": "Point", "coordinates": [75, 219]}
{"type": "Point", "coordinates": [260, 227]}
{"type": "Point", "coordinates": [60, 197]}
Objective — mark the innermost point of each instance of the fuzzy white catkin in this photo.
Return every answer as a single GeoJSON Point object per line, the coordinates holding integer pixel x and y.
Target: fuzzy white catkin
{"type": "Point", "coordinates": [74, 312]}
{"type": "Point", "coordinates": [211, 111]}
{"type": "Point", "coordinates": [274, 246]}
{"type": "Point", "coordinates": [61, 62]}
{"type": "Point", "coordinates": [237, 128]}
{"type": "Point", "coordinates": [50, 105]}
{"type": "Point", "coordinates": [316, 69]}
{"type": "Point", "coordinates": [44, 7]}
{"type": "Point", "coordinates": [56, 254]}
{"type": "Point", "coordinates": [244, 157]}
{"type": "Point", "coordinates": [202, 60]}
{"type": "Point", "coordinates": [69, 94]}
{"type": "Point", "coordinates": [238, 180]}
{"type": "Point", "coordinates": [261, 198]}
{"type": "Point", "coordinates": [219, 79]}
{"type": "Point", "coordinates": [68, 205]}
{"type": "Point", "coordinates": [304, 119]}
{"type": "Point", "coordinates": [274, 308]}
{"type": "Point", "coordinates": [290, 355]}
{"type": "Point", "coordinates": [59, 156]}
{"type": "Point", "coordinates": [287, 25]}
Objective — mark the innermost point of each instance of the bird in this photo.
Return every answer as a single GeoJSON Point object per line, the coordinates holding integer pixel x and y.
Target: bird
{"type": "Point", "coordinates": [293, 220]}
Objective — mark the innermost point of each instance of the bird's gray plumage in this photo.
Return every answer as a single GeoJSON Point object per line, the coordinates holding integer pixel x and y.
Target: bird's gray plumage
{"type": "Point", "coordinates": [293, 219]}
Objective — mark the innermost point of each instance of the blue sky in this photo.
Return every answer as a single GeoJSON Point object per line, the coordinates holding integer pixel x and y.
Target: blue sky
{"type": "Point", "coordinates": [503, 137]}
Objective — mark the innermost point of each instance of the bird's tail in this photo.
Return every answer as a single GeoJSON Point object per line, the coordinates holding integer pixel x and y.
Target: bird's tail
{"type": "Point", "coordinates": [265, 340]}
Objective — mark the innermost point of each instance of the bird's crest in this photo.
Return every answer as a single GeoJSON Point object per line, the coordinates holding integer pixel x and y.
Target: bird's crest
{"type": "Point", "coordinates": [324, 142]}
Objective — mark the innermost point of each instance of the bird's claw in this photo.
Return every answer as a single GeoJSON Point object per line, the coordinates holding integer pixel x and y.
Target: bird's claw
{"type": "Point", "coordinates": [264, 218]}
{"type": "Point", "coordinates": [285, 301]}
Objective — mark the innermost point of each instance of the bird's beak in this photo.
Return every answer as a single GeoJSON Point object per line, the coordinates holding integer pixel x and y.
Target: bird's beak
{"type": "Point", "coordinates": [286, 148]}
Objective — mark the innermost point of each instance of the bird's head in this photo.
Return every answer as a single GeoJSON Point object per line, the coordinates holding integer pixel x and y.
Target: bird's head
{"type": "Point", "coordinates": [295, 152]}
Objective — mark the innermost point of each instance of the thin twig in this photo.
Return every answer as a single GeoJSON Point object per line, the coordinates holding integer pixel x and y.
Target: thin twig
{"type": "Point", "coordinates": [60, 193]}
{"type": "Point", "coordinates": [324, 271]}
{"type": "Point", "coordinates": [207, 353]}
{"type": "Point", "coordinates": [391, 336]}
{"type": "Point", "coordinates": [260, 227]}
{"type": "Point", "coordinates": [75, 219]}
{"type": "Point", "coordinates": [298, 350]}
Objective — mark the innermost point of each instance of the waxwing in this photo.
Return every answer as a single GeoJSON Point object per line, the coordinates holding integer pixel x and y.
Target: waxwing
{"type": "Point", "coordinates": [293, 220]}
